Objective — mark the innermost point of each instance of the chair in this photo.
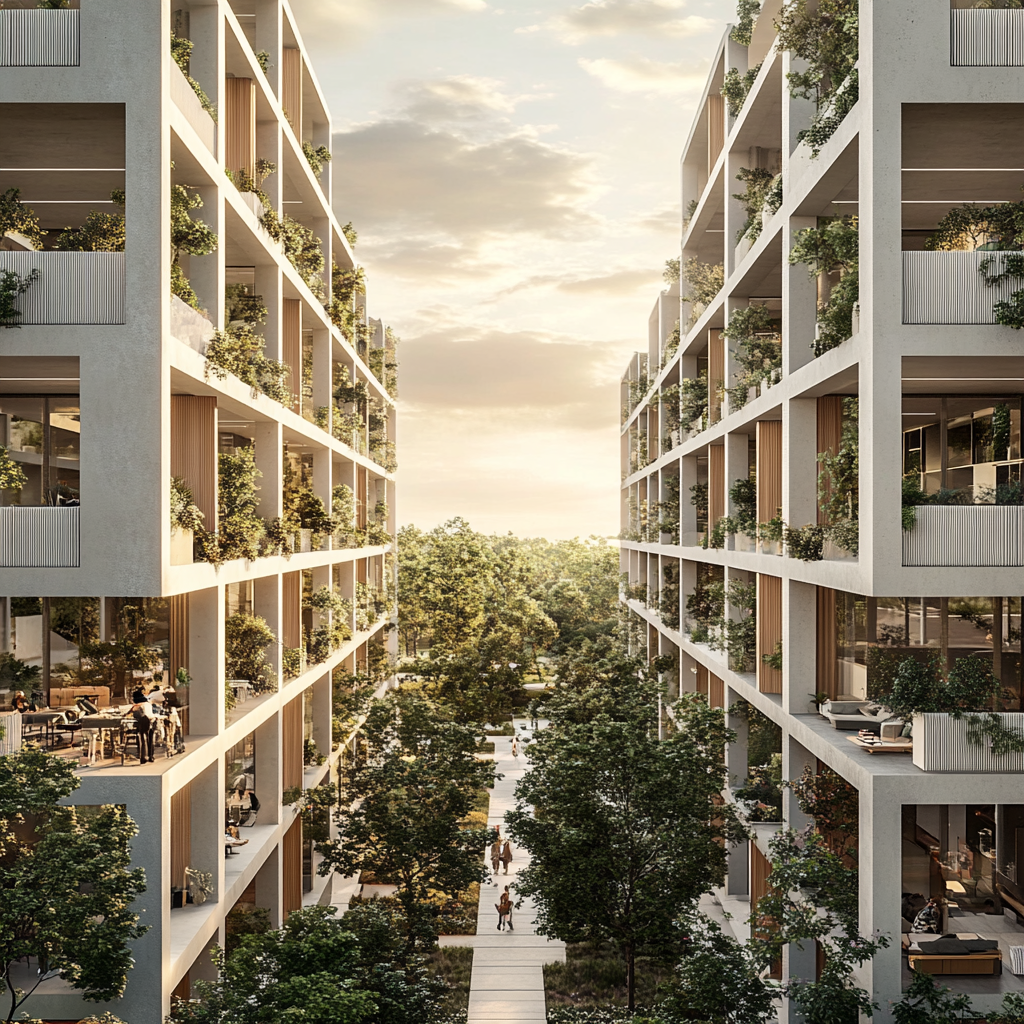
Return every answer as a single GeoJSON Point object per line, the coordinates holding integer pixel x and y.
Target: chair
{"type": "Point", "coordinates": [129, 734]}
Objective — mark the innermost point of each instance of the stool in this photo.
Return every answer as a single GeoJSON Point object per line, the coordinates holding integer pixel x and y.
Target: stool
{"type": "Point", "coordinates": [129, 734]}
{"type": "Point", "coordinates": [94, 739]}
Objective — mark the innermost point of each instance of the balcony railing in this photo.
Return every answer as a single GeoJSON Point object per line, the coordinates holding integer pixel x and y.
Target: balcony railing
{"type": "Point", "coordinates": [966, 535]}
{"type": "Point", "coordinates": [72, 287]}
{"type": "Point", "coordinates": [39, 39]}
{"type": "Point", "coordinates": [188, 103]}
{"type": "Point", "coordinates": [986, 39]}
{"type": "Point", "coordinates": [948, 287]}
{"type": "Point", "coordinates": [943, 743]}
{"type": "Point", "coordinates": [40, 537]}
{"type": "Point", "coordinates": [189, 326]}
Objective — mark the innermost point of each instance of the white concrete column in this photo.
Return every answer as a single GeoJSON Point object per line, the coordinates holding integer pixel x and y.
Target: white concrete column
{"type": "Point", "coordinates": [737, 465]}
{"type": "Point", "coordinates": [799, 461]}
{"type": "Point", "coordinates": [799, 653]}
{"type": "Point", "coordinates": [268, 770]}
{"type": "Point", "coordinates": [208, 800]}
{"type": "Point", "coordinates": [737, 881]}
{"type": "Point", "coordinates": [269, 886]}
{"type": "Point", "coordinates": [267, 603]}
{"type": "Point", "coordinates": [270, 462]}
{"type": "Point", "coordinates": [206, 661]}
{"type": "Point", "coordinates": [799, 301]}
{"type": "Point", "coordinates": [321, 696]}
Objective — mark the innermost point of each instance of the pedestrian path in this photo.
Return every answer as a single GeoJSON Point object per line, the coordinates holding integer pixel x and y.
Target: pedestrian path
{"type": "Point", "coordinates": [507, 983]}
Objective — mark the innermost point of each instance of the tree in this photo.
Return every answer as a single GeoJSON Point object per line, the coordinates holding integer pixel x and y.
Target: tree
{"type": "Point", "coordinates": [127, 652]}
{"type": "Point", "coordinates": [718, 981]}
{"type": "Point", "coordinates": [66, 882]}
{"type": "Point", "coordinates": [407, 790]}
{"type": "Point", "coordinates": [925, 1002]}
{"type": "Point", "coordinates": [630, 831]}
{"type": "Point", "coordinates": [187, 236]}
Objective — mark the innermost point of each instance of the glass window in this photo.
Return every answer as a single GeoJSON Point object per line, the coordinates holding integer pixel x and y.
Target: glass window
{"type": "Point", "coordinates": [43, 435]}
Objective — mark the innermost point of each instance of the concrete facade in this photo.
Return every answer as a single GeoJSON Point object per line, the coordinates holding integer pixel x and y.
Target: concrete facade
{"type": "Point", "coordinates": [111, 111]}
{"type": "Point", "coordinates": [931, 130]}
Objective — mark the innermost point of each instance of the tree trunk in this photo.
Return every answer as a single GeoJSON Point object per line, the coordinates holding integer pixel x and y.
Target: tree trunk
{"type": "Point", "coordinates": [630, 978]}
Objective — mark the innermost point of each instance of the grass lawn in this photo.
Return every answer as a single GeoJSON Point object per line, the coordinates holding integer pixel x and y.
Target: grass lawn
{"type": "Point", "coordinates": [453, 965]}
{"type": "Point", "coordinates": [596, 976]}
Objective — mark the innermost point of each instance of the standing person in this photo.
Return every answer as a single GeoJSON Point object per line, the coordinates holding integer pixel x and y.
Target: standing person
{"type": "Point", "coordinates": [495, 858]}
{"type": "Point", "coordinates": [142, 712]}
{"type": "Point", "coordinates": [506, 855]}
{"type": "Point", "coordinates": [506, 901]}
{"type": "Point", "coordinates": [515, 747]}
{"type": "Point", "coordinates": [533, 714]}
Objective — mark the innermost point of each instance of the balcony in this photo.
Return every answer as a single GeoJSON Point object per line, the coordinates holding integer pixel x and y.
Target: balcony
{"type": "Point", "coordinates": [948, 287]}
{"type": "Point", "coordinates": [966, 535]}
{"type": "Point", "coordinates": [188, 103]}
{"type": "Point", "coordinates": [189, 326]}
{"type": "Point", "coordinates": [986, 38]}
{"type": "Point", "coordinates": [39, 537]}
{"type": "Point", "coordinates": [943, 743]}
{"type": "Point", "coordinates": [39, 39]}
{"type": "Point", "coordinates": [72, 287]}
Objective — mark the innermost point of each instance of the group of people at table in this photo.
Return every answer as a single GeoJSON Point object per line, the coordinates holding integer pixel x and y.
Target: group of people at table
{"type": "Point", "coordinates": [149, 716]}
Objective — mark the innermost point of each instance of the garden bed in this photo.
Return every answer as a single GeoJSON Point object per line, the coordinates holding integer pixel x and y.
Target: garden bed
{"type": "Point", "coordinates": [453, 965]}
{"type": "Point", "coordinates": [595, 977]}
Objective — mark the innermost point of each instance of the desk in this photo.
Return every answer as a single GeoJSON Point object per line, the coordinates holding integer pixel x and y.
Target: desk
{"type": "Point", "coordinates": [100, 724]}
{"type": "Point", "coordinates": [48, 720]}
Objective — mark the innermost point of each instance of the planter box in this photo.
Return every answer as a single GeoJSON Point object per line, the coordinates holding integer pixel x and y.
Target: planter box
{"type": "Point", "coordinates": [181, 546]}
{"type": "Point", "coordinates": [832, 552]}
{"type": "Point", "coordinates": [941, 745]}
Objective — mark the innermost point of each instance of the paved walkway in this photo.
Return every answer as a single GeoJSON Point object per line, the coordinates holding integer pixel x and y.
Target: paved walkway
{"type": "Point", "coordinates": [507, 984]}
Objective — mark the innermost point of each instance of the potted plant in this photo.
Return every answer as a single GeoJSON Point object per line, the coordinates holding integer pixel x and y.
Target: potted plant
{"type": "Point", "coordinates": [186, 521]}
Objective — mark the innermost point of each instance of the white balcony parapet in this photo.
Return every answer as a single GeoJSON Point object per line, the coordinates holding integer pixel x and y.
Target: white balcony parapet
{"type": "Point", "coordinates": [986, 38]}
{"type": "Point", "coordinates": [189, 326]}
{"type": "Point", "coordinates": [72, 287]}
{"type": "Point", "coordinates": [966, 535]}
{"type": "Point", "coordinates": [186, 100]}
{"type": "Point", "coordinates": [942, 743]}
{"type": "Point", "coordinates": [948, 288]}
{"type": "Point", "coordinates": [40, 39]}
{"type": "Point", "coordinates": [40, 537]}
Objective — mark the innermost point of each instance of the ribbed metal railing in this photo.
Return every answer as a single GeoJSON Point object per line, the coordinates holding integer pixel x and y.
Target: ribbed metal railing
{"type": "Point", "coordinates": [10, 726]}
{"type": "Point", "coordinates": [966, 535]}
{"type": "Point", "coordinates": [188, 103]}
{"type": "Point", "coordinates": [40, 537]}
{"type": "Point", "coordinates": [72, 288]}
{"type": "Point", "coordinates": [948, 288]}
{"type": "Point", "coordinates": [39, 39]}
{"type": "Point", "coordinates": [943, 744]}
{"type": "Point", "coordinates": [986, 39]}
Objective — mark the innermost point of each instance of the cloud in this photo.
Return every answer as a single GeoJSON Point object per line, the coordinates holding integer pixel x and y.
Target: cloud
{"type": "Point", "coordinates": [428, 261]}
{"type": "Point", "coordinates": [621, 282]}
{"type": "Point", "coordinates": [318, 18]}
{"type": "Point", "coordinates": [658, 18]}
{"type": "Point", "coordinates": [643, 75]}
{"type": "Point", "coordinates": [665, 219]}
{"type": "Point", "coordinates": [449, 161]}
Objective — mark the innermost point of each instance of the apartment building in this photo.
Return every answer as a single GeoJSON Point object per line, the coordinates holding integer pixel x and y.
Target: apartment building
{"type": "Point", "coordinates": [821, 453]}
{"type": "Point", "coordinates": [197, 423]}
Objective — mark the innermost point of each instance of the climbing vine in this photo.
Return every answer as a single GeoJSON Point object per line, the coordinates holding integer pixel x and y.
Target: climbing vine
{"type": "Point", "coordinates": [832, 248]}
{"type": "Point", "coordinates": [756, 334]}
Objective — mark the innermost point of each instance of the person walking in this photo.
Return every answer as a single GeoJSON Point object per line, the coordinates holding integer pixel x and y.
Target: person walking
{"type": "Point", "coordinates": [506, 855]}
{"type": "Point", "coordinates": [504, 909]}
{"type": "Point", "coordinates": [495, 859]}
{"type": "Point", "coordinates": [515, 747]}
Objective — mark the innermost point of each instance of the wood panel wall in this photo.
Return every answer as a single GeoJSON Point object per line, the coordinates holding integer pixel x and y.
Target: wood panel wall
{"type": "Point", "coordinates": [716, 129]}
{"type": "Point", "coordinates": [181, 833]}
{"type": "Point", "coordinates": [716, 484]}
{"type": "Point", "coordinates": [291, 609]}
{"type": "Point", "coordinates": [291, 345]}
{"type": "Point", "coordinates": [240, 125]}
{"type": "Point", "coordinates": [716, 691]}
{"type": "Point", "coordinates": [826, 658]}
{"type": "Point", "coordinates": [830, 432]}
{"type": "Point", "coordinates": [769, 629]}
{"type": "Point", "coordinates": [194, 450]}
{"type": "Point", "coordinates": [769, 469]}
{"type": "Point", "coordinates": [178, 646]}
{"type": "Point", "coordinates": [716, 374]}
{"type": "Point", "coordinates": [702, 680]}
{"type": "Point", "coordinates": [291, 744]}
{"type": "Point", "coordinates": [291, 862]}
{"type": "Point", "coordinates": [760, 869]}
{"type": "Point", "coordinates": [291, 88]}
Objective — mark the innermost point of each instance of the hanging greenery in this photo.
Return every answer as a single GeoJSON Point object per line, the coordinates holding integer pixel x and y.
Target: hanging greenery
{"type": "Point", "coordinates": [181, 53]}
{"type": "Point", "coordinates": [185, 513]}
{"type": "Point", "coordinates": [246, 639]}
{"type": "Point", "coordinates": [838, 482]}
{"type": "Point", "coordinates": [317, 158]}
{"type": "Point", "coordinates": [668, 509]}
{"type": "Point", "coordinates": [12, 476]}
{"type": "Point", "coordinates": [11, 286]}
{"type": "Point", "coordinates": [17, 218]}
{"type": "Point", "coordinates": [758, 340]}
{"type": "Point", "coordinates": [239, 350]}
{"type": "Point", "coordinates": [189, 236]}
{"type": "Point", "coordinates": [703, 282]}
{"type": "Point", "coordinates": [671, 272]}
{"type": "Point", "coordinates": [826, 36]}
{"type": "Point", "coordinates": [746, 16]}
{"type": "Point", "coordinates": [693, 401]}
{"type": "Point", "coordinates": [753, 198]}
{"type": "Point", "coordinates": [301, 247]}
{"type": "Point", "coordinates": [670, 346]}
{"type": "Point", "coordinates": [706, 603]}
{"type": "Point", "coordinates": [832, 248]}
{"type": "Point", "coordinates": [736, 87]}
{"type": "Point", "coordinates": [668, 605]}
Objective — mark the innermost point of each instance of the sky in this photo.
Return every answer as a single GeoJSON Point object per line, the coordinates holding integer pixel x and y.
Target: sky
{"type": "Point", "coordinates": [512, 168]}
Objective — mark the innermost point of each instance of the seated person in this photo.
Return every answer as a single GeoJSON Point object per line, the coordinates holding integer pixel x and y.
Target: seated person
{"type": "Point", "coordinates": [929, 918]}
{"type": "Point", "coordinates": [20, 703]}
{"type": "Point", "coordinates": [155, 695]}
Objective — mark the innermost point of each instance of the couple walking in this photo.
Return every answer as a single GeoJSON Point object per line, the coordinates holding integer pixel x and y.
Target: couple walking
{"type": "Point", "coordinates": [500, 855]}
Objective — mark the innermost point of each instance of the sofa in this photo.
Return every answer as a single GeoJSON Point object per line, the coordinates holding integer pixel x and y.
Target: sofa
{"type": "Point", "coordinates": [854, 714]}
{"type": "Point", "coordinates": [962, 953]}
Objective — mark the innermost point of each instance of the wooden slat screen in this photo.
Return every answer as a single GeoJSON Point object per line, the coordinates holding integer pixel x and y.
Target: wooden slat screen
{"type": "Point", "coordinates": [291, 88]}
{"type": "Point", "coordinates": [702, 680]}
{"type": "Point", "coordinates": [194, 450]}
{"type": "Point", "coordinates": [291, 345]}
{"type": "Point", "coordinates": [716, 484]}
{"type": "Point", "coordinates": [769, 630]}
{"type": "Point", "coordinates": [178, 652]}
{"type": "Point", "coordinates": [826, 657]}
{"type": "Point", "coordinates": [830, 430]}
{"type": "Point", "coordinates": [769, 469]}
{"type": "Point", "coordinates": [291, 851]}
{"type": "Point", "coordinates": [716, 129]}
{"type": "Point", "coordinates": [716, 691]}
{"type": "Point", "coordinates": [291, 609]}
{"type": "Point", "coordinates": [240, 122]}
{"type": "Point", "coordinates": [760, 869]}
{"type": "Point", "coordinates": [181, 833]}
{"type": "Point", "coordinates": [361, 497]}
{"type": "Point", "coordinates": [716, 374]}
{"type": "Point", "coordinates": [291, 744]}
